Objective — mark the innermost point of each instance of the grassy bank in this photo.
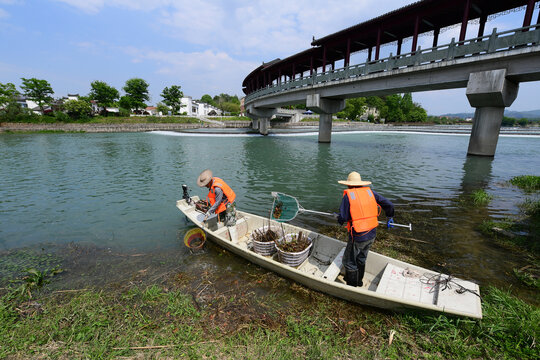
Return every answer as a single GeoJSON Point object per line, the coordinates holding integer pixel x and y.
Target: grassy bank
{"type": "Point", "coordinates": [168, 321]}
{"type": "Point", "coordinates": [211, 314]}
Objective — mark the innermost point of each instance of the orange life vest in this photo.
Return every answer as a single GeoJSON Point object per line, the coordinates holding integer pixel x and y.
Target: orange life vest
{"type": "Point", "coordinates": [228, 193]}
{"type": "Point", "coordinates": [363, 208]}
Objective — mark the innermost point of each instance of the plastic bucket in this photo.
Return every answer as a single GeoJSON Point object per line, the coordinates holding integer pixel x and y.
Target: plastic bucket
{"type": "Point", "coordinates": [265, 248]}
{"type": "Point", "coordinates": [292, 258]}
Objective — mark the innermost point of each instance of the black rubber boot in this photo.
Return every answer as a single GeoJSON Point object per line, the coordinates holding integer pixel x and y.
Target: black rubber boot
{"type": "Point", "coordinates": [351, 277]}
{"type": "Point", "coordinates": [361, 270]}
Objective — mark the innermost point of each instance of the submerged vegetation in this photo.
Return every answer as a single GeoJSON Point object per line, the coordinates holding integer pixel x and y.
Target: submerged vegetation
{"type": "Point", "coordinates": [526, 182]}
{"type": "Point", "coordinates": [481, 197]}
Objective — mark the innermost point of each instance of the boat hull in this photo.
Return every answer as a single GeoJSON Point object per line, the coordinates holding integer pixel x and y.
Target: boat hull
{"type": "Point", "coordinates": [388, 283]}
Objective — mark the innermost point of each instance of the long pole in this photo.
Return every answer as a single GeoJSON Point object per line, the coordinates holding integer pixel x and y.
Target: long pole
{"type": "Point", "coordinates": [329, 214]}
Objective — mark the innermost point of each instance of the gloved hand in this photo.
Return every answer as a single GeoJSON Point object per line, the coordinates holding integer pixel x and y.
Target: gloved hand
{"type": "Point", "coordinates": [335, 215]}
{"type": "Point", "coordinates": [390, 223]}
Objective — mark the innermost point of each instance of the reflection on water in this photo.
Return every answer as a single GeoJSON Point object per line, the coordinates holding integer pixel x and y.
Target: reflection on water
{"type": "Point", "coordinates": [118, 191]}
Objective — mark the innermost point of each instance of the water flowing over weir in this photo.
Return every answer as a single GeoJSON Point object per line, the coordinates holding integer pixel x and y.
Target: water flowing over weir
{"type": "Point", "coordinates": [116, 193]}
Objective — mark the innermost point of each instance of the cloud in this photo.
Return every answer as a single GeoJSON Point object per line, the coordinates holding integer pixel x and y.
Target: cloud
{"type": "Point", "coordinates": [207, 71]}
{"type": "Point", "coordinates": [95, 6]}
{"type": "Point", "coordinates": [262, 27]}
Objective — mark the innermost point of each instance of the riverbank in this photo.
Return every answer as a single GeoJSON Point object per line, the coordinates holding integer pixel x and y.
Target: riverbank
{"type": "Point", "coordinates": [246, 124]}
{"type": "Point", "coordinates": [177, 312]}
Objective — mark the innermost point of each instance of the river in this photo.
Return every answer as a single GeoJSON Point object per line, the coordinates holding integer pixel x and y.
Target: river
{"type": "Point", "coordinates": [117, 191]}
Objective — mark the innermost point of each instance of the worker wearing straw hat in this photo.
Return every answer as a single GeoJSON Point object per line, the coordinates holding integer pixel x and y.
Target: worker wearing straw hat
{"type": "Point", "coordinates": [359, 209]}
{"type": "Point", "coordinates": [220, 196]}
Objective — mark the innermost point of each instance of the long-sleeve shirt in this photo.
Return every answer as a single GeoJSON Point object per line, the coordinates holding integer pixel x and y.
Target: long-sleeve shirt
{"type": "Point", "coordinates": [345, 215]}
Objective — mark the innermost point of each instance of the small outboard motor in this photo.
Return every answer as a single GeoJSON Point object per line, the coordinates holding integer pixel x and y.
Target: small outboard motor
{"type": "Point", "coordinates": [186, 196]}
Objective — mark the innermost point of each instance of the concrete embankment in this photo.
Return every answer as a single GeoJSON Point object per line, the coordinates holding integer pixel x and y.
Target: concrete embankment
{"type": "Point", "coordinates": [308, 126]}
{"type": "Point", "coordinates": [111, 128]}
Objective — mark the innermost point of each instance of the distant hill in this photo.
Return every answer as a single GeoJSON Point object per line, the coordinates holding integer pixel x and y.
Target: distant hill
{"type": "Point", "coordinates": [531, 114]}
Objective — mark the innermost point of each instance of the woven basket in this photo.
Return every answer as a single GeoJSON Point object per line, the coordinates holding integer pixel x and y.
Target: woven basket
{"type": "Point", "coordinates": [292, 258]}
{"type": "Point", "coordinates": [266, 248]}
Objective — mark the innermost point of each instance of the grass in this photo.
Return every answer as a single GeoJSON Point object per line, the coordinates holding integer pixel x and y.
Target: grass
{"type": "Point", "coordinates": [480, 197]}
{"type": "Point", "coordinates": [526, 182]}
{"type": "Point", "coordinates": [172, 323]}
{"type": "Point", "coordinates": [42, 132]}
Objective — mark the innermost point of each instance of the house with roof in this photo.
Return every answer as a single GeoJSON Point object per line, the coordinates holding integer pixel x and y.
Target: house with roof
{"type": "Point", "coordinates": [197, 108]}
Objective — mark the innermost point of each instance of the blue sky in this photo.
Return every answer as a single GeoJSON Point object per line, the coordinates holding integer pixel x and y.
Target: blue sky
{"type": "Point", "coordinates": [206, 47]}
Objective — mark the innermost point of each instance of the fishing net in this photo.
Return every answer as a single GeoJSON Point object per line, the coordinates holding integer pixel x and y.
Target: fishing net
{"type": "Point", "coordinates": [285, 207]}
{"type": "Point", "coordinates": [194, 238]}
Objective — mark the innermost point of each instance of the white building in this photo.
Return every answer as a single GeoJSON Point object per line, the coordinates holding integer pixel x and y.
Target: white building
{"type": "Point", "coordinates": [196, 108]}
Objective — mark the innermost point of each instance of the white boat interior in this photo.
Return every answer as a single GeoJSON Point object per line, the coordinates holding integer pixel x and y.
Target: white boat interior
{"type": "Point", "coordinates": [387, 283]}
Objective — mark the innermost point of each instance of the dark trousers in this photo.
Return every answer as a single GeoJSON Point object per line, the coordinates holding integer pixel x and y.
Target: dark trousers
{"type": "Point", "coordinates": [355, 255]}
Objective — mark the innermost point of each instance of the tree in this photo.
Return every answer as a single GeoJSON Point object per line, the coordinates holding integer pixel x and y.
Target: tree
{"type": "Point", "coordinates": [125, 103]}
{"type": "Point", "coordinates": [208, 100]}
{"type": "Point", "coordinates": [38, 90]}
{"type": "Point", "coordinates": [8, 93]}
{"type": "Point", "coordinates": [395, 113]}
{"type": "Point", "coordinates": [225, 98]}
{"type": "Point", "coordinates": [9, 107]}
{"type": "Point", "coordinates": [230, 107]}
{"type": "Point", "coordinates": [172, 96]}
{"type": "Point", "coordinates": [78, 109]}
{"type": "Point", "coordinates": [164, 109]}
{"type": "Point", "coordinates": [354, 108]}
{"type": "Point", "coordinates": [104, 94]}
{"type": "Point", "coordinates": [137, 91]}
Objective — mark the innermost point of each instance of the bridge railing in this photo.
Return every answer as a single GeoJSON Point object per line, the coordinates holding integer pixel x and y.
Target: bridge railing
{"type": "Point", "coordinates": [488, 44]}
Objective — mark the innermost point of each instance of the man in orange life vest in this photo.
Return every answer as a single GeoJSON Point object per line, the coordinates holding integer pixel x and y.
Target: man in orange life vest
{"type": "Point", "coordinates": [359, 208]}
{"type": "Point", "coordinates": [220, 196]}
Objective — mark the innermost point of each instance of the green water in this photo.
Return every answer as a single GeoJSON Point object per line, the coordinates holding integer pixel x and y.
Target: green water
{"type": "Point", "coordinates": [117, 192]}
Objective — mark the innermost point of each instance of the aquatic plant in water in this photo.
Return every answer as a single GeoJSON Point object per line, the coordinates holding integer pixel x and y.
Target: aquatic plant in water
{"type": "Point", "coordinates": [526, 182]}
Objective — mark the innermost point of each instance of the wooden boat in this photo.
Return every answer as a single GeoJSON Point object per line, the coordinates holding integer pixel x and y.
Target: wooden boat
{"type": "Point", "coordinates": [388, 283]}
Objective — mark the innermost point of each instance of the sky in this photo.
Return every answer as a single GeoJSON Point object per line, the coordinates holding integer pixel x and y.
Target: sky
{"type": "Point", "coordinates": [206, 47]}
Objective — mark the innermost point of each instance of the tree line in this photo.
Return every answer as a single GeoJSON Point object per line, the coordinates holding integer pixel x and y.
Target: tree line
{"type": "Point", "coordinates": [391, 108]}
{"type": "Point", "coordinates": [103, 95]}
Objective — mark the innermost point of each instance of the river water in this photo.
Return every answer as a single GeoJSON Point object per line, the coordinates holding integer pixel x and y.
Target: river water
{"type": "Point", "coordinates": [118, 191]}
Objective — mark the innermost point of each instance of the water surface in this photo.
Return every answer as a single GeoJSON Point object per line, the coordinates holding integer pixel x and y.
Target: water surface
{"type": "Point", "coordinates": [118, 190]}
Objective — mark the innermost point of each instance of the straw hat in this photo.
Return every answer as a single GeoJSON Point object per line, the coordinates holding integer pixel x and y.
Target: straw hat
{"type": "Point", "coordinates": [204, 178]}
{"type": "Point", "coordinates": [354, 179]}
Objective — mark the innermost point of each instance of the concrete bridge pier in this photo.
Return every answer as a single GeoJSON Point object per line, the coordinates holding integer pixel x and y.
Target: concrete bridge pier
{"type": "Point", "coordinates": [255, 124]}
{"type": "Point", "coordinates": [489, 92]}
{"type": "Point", "coordinates": [260, 118]}
{"type": "Point", "coordinates": [325, 108]}
{"type": "Point", "coordinates": [264, 124]}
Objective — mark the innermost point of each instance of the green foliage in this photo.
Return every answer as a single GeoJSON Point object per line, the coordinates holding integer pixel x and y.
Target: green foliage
{"type": "Point", "coordinates": [207, 99]}
{"type": "Point", "coordinates": [8, 93]}
{"type": "Point", "coordinates": [164, 109]}
{"type": "Point", "coordinates": [393, 108]}
{"type": "Point", "coordinates": [9, 108]}
{"type": "Point", "coordinates": [38, 90]}
{"type": "Point", "coordinates": [104, 94]}
{"type": "Point", "coordinates": [61, 116]}
{"type": "Point", "coordinates": [508, 330]}
{"type": "Point", "coordinates": [172, 97]}
{"type": "Point", "coordinates": [526, 182]}
{"type": "Point", "coordinates": [78, 109]}
{"type": "Point", "coordinates": [125, 103]}
{"type": "Point", "coordinates": [480, 197]}
{"type": "Point", "coordinates": [136, 93]}
{"type": "Point", "coordinates": [230, 107]}
{"type": "Point", "coordinates": [354, 108]}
